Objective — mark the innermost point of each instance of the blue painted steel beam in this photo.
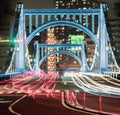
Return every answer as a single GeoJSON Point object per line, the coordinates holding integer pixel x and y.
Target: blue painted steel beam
{"type": "Point", "coordinates": [30, 23]}
{"type": "Point", "coordinates": [59, 45]}
{"type": "Point", "coordinates": [93, 23]}
{"type": "Point", "coordinates": [61, 48]}
{"type": "Point", "coordinates": [63, 52]}
{"type": "Point", "coordinates": [60, 11]}
{"type": "Point", "coordinates": [62, 22]}
{"type": "Point", "coordinates": [36, 21]}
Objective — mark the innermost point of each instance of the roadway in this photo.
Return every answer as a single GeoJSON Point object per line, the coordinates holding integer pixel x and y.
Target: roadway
{"type": "Point", "coordinates": [50, 94]}
{"type": "Point", "coordinates": [25, 105]}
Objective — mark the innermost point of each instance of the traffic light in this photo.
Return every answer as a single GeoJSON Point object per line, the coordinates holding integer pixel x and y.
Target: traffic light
{"type": "Point", "coordinates": [13, 41]}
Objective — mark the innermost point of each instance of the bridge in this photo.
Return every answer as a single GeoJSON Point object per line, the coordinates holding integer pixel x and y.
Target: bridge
{"type": "Point", "coordinates": [75, 50]}
{"type": "Point", "coordinates": [75, 90]}
{"type": "Point", "coordinates": [31, 22]}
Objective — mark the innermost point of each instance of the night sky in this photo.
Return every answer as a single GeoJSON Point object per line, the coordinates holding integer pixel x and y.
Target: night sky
{"type": "Point", "coordinates": [6, 5]}
{"type": "Point", "coordinates": [35, 4]}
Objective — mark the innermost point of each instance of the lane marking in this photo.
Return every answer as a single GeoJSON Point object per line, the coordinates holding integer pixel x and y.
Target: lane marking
{"type": "Point", "coordinates": [11, 106]}
{"type": "Point", "coordinates": [5, 101]}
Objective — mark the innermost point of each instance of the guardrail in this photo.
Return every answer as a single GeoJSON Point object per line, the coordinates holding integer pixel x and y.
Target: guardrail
{"type": "Point", "coordinates": [113, 74]}
{"type": "Point", "coordinates": [72, 100]}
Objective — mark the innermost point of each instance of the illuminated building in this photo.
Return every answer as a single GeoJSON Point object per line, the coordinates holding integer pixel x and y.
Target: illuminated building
{"type": "Point", "coordinates": [114, 19]}
{"type": "Point", "coordinates": [6, 18]}
{"type": "Point", "coordinates": [62, 33]}
{"type": "Point", "coordinates": [75, 4]}
{"type": "Point", "coordinates": [51, 60]}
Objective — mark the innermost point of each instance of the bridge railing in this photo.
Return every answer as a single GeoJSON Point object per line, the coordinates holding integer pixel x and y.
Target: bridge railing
{"type": "Point", "coordinates": [86, 17]}
{"type": "Point", "coordinates": [43, 51]}
{"type": "Point", "coordinates": [115, 74]}
{"type": "Point", "coordinates": [78, 100]}
{"type": "Point", "coordinates": [47, 48]}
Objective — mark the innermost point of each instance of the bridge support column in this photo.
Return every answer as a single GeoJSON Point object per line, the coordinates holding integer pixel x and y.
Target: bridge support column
{"type": "Point", "coordinates": [103, 42]}
{"type": "Point", "coordinates": [37, 58]}
{"type": "Point", "coordinates": [83, 58]}
{"type": "Point", "coordinates": [20, 46]}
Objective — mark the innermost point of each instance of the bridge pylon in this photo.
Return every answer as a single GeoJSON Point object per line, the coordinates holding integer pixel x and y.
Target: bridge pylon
{"type": "Point", "coordinates": [20, 46]}
{"type": "Point", "coordinates": [103, 41]}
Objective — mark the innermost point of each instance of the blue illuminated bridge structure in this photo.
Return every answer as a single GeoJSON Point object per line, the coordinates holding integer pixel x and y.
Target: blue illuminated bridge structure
{"type": "Point", "coordinates": [97, 81]}
{"type": "Point", "coordinates": [104, 60]}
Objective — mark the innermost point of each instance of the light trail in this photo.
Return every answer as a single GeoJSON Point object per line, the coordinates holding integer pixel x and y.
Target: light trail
{"type": "Point", "coordinates": [27, 83]}
{"type": "Point", "coordinates": [104, 77]}
{"type": "Point", "coordinates": [44, 86]}
{"type": "Point", "coordinates": [94, 87]}
{"type": "Point", "coordinates": [96, 84]}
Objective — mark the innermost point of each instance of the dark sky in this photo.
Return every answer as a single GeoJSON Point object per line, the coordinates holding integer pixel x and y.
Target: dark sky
{"type": "Point", "coordinates": [28, 4]}
{"type": "Point", "coordinates": [35, 4]}
{"type": "Point", "coordinates": [8, 6]}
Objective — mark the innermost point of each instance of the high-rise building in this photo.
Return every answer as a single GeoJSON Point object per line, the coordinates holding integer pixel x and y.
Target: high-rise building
{"type": "Point", "coordinates": [76, 4]}
{"type": "Point", "coordinates": [6, 17]}
{"type": "Point", "coordinates": [51, 60]}
{"type": "Point", "coordinates": [48, 37]}
{"type": "Point", "coordinates": [63, 33]}
{"type": "Point", "coordinates": [114, 19]}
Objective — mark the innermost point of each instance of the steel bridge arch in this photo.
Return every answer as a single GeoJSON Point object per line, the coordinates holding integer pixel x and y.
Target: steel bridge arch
{"type": "Point", "coordinates": [58, 23]}
{"type": "Point", "coordinates": [63, 52]}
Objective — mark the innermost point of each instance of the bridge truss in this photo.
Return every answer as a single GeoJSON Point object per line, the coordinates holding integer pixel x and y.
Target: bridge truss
{"type": "Point", "coordinates": [77, 51]}
{"type": "Point", "coordinates": [32, 22]}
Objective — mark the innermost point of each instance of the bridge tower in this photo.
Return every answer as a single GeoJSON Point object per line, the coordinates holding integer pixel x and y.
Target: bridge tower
{"type": "Point", "coordinates": [103, 41]}
{"type": "Point", "coordinates": [20, 45]}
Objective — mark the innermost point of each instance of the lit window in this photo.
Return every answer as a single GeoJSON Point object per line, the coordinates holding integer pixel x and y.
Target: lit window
{"type": "Point", "coordinates": [62, 4]}
{"type": "Point", "coordinates": [71, 4]}
{"type": "Point", "coordinates": [56, 4]}
{"type": "Point", "coordinates": [56, 1]}
{"type": "Point", "coordinates": [84, 2]}
{"type": "Point", "coordinates": [61, 1]}
{"type": "Point", "coordinates": [73, 0]}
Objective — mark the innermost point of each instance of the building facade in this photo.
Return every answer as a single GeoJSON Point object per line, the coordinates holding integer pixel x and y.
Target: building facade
{"type": "Point", "coordinates": [63, 33]}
